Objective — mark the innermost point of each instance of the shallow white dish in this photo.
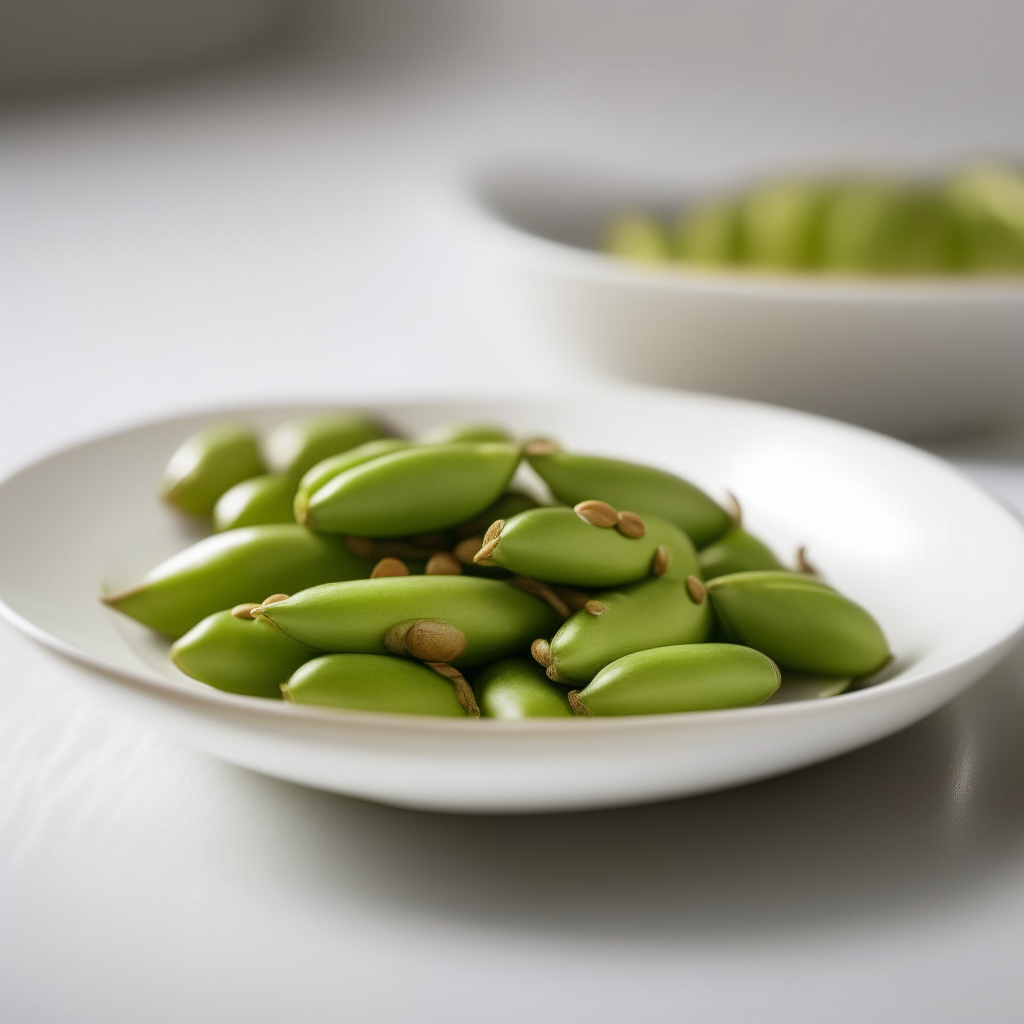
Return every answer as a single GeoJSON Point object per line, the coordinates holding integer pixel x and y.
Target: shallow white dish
{"type": "Point", "coordinates": [933, 557]}
{"type": "Point", "coordinates": [913, 358]}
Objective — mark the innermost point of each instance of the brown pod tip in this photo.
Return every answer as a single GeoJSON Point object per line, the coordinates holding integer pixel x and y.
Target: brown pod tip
{"type": "Point", "coordinates": [578, 707]}
{"type": "Point", "coordinates": [275, 599]}
{"type": "Point", "coordinates": [244, 611]}
{"type": "Point", "coordinates": [361, 547]}
{"type": "Point", "coordinates": [443, 564]}
{"type": "Point", "coordinates": [466, 549]}
{"type": "Point", "coordinates": [540, 446]}
{"type": "Point", "coordinates": [482, 557]}
{"type": "Point", "coordinates": [631, 525]}
{"type": "Point", "coordinates": [286, 694]}
{"type": "Point", "coordinates": [389, 567]}
{"type": "Point", "coordinates": [554, 675]}
{"type": "Point", "coordinates": [463, 691]}
{"type": "Point", "coordinates": [734, 510]}
{"type": "Point", "coordinates": [596, 607]}
{"type": "Point", "coordinates": [662, 561]}
{"type": "Point", "coordinates": [597, 513]}
{"type": "Point", "coordinates": [696, 589]}
{"type": "Point", "coordinates": [544, 592]}
{"type": "Point", "coordinates": [494, 531]}
{"type": "Point", "coordinates": [541, 651]}
{"type": "Point", "coordinates": [803, 564]}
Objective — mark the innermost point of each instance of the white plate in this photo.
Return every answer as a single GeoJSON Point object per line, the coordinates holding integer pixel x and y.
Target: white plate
{"type": "Point", "coordinates": [933, 557]}
{"type": "Point", "coordinates": [912, 356]}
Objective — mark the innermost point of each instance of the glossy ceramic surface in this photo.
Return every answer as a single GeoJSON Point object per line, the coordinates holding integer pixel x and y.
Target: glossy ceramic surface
{"type": "Point", "coordinates": [911, 357]}
{"type": "Point", "coordinates": [932, 556]}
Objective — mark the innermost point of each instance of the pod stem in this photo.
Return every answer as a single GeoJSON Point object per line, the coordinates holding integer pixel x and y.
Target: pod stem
{"type": "Point", "coordinates": [463, 691]}
{"type": "Point", "coordinates": [544, 592]}
{"type": "Point", "coordinates": [578, 707]}
{"type": "Point", "coordinates": [804, 565]}
{"type": "Point", "coordinates": [734, 510]}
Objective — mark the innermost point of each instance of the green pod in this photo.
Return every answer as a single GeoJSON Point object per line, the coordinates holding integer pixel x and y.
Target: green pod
{"type": "Point", "coordinates": [413, 491]}
{"type": "Point", "coordinates": [232, 568]}
{"type": "Point", "coordinates": [240, 655]}
{"type": "Point", "coordinates": [263, 499]}
{"type": "Point", "coordinates": [555, 545]}
{"type": "Point", "coordinates": [326, 470]}
{"type": "Point", "coordinates": [709, 234]}
{"type": "Point", "coordinates": [782, 222]}
{"type": "Point", "coordinates": [654, 613]}
{"type": "Point", "coordinates": [864, 229]}
{"type": "Point", "coordinates": [689, 677]}
{"type": "Point", "coordinates": [799, 622]}
{"type": "Point", "coordinates": [934, 239]}
{"type": "Point", "coordinates": [878, 227]}
{"type": "Point", "coordinates": [638, 238]}
{"type": "Point", "coordinates": [209, 462]}
{"type": "Point", "coordinates": [516, 688]}
{"type": "Point", "coordinates": [627, 485]}
{"type": "Point", "coordinates": [297, 446]}
{"type": "Point", "coordinates": [497, 619]}
{"type": "Point", "coordinates": [735, 551]}
{"type": "Point", "coordinates": [448, 432]}
{"type": "Point", "coordinates": [373, 682]}
{"type": "Point", "coordinates": [988, 201]}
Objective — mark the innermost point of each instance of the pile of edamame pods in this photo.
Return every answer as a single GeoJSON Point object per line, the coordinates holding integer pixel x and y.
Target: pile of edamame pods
{"type": "Point", "coordinates": [971, 223]}
{"type": "Point", "coordinates": [358, 570]}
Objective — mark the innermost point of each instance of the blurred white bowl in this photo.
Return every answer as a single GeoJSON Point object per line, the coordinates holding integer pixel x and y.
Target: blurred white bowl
{"type": "Point", "coordinates": [908, 357]}
{"type": "Point", "coordinates": [891, 526]}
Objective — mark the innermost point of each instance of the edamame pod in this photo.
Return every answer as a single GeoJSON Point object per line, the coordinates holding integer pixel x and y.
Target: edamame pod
{"type": "Point", "coordinates": [413, 491]}
{"type": "Point", "coordinates": [865, 228]}
{"type": "Point", "coordinates": [373, 682]}
{"type": "Point", "coordinates": [263, 499]}
{"type": "Point", "coordinates": [326, 470]}
{"type": "Point", "coordinates": [689, 677]}
{"type": "Point", "coordinates": [575, 478]}
{"type": "Point", "coordinates": [655, 613]}
{"type": "Point", "coordinates": [709, 234]}
{"type": "Point", "coordinates": [637, 237]}
{"type": "Point", "coordinates": [496, 619]}
{"type": "Point", "coordinates": [735, 551]}
{"type": "Point", "coordinates": [933, 240]}
{"type": "Point", "coordinates": [516, 688]}
{"type": "Point", "coordinates": [988, 200]}
{"type": "Point", "coordinates": [448, 432]}
{"type": "Point", "coordinates": [555, 545]}
{"type": "Point", "coordinates": [206, 464]}
{"type": "Point", "coordinates": [781, 224]}
{"type": "Point", "coordinates": [231, 568]}
{"type": "Point", "coordinates": [236, 653]}
{"type": "Point", "coordinates": [799, 623]}
{"type": "Point", "coordinates": [298, 445]}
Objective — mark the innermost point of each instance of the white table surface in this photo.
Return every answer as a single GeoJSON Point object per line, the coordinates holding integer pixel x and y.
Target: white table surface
{"type": "Point", "coordinates": [268, 233]}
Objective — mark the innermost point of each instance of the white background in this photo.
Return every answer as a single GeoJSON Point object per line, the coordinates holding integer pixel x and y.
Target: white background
{"type": "Point", "coordinates": [273, 229]}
